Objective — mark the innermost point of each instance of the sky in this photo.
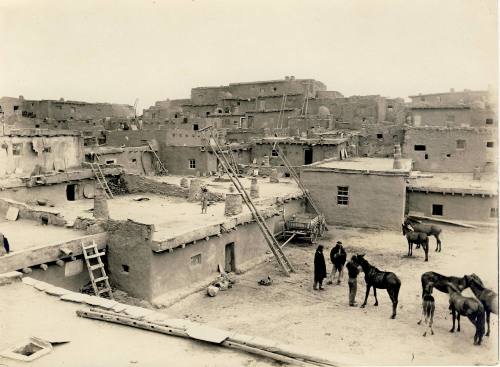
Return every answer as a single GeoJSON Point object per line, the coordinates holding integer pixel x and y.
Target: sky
{"type": "Point", "coordinates": [120, 50]}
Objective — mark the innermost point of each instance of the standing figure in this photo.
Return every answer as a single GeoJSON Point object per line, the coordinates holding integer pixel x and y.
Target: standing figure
{"type": "Point", "coordinates": [319, 268]}
{"type": "Point", "coordinates": [204, 200]}
{"type": "Point", "coordinates": [5, 242]}
{"type": "Point", "coordinates": [352, 271]}
{"type": "Point", "coordinates": [338, 257]}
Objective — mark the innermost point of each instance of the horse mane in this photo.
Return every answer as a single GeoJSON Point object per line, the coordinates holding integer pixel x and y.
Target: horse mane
{"type": "Point", "coordinates": [477, 281]}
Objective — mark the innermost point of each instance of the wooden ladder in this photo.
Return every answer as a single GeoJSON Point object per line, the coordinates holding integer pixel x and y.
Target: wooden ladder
{"type": "Point", "coordinates": [162, 169]}
{"type": "Point", "coordinates": [99, 175]}
{"type": "Point", "coordinates": [272, 242]}
{"type": "Point", "coordinates": [100, 284]}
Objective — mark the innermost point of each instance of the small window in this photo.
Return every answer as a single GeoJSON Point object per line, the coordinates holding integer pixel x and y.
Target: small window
{"type": "Point", "coordinates": [489, 121]}
{"type": "Point", "coordinates": [364, 119]}
{"type": "Point", "coordinates": [195, 127]}
{"type": "Point", "coordinates": [219, 111]}
{"type": "Point", "coordinates": [16, 108]}
{"type": "Point", "coordinates": [176, 115]}
{"type": "Point", "coordinates": [47, 149]}
{"type": "Point", "coordinates": [437, 209]}
{"type": "Point", "coordinates": [342, 195]}
{"type": "Point", "coordinates": [426, 156]}
{"type": "Point", "coordinates": [490, 144]}
{"type": "Point", "coordinates": [185, 120]}
{"type": "Point", "coordinates": [390, 107]}
{"type": "Point", "coordinates": [110, 161]}
{"type": "Point", "coordinates": [208, 113]}
{"type": "Point", "coordinates": [238, 103]}
{"type": "Point", "coordinates": [274, 153]}
{"type": "Point", "coordinates": [380, 136]}
{"type": "Point", "coordinates": [226, 109]}
{"type": "Point", "coordinates": [125, 268]}
{"type": "Point", "coordinates": [192, 163]}
{"type": "Point", "coordinates": [494, 213]}
{"type": "Point", "coordinates": [196, 259]}
{"type": "Point", "coordinates": [17, 148]}
{"type": "Point", "coordinates": [460, 144]}
{"type": "Point", "coordinates": [274, 89]}
{"type": "Point", "coordinates": [134, 160]}
{"type": "Point", "coordinates": [420, 148]}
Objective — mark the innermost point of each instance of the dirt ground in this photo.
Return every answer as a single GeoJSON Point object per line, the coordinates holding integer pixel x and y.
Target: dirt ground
{"type": "Point", "coordinates": [322, 323]}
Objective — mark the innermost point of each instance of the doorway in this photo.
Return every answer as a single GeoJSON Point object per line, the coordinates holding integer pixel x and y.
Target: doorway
{"type": "Point", "coordinates": [308, 156]}
{"type": "Point", "coordinates": [71, 192]}
{"type": "Point", "coordinates": [229, 253]}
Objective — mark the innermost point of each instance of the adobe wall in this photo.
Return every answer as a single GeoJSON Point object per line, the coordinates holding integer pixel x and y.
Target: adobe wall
{"type": "Point", "coordinates": [370, 144]}
{"type": "Point", "coordinates": [173, 270]}
{"type": "Point", "coordinates": [455, 207]}
{"type": "Point", "coordinates": [129, 245]}
{"type": "Point", "coordinates": [375, 201]}
{"type": "Point", "coordinates": [50, 153]}
{"type": "Point", "coordinates": [440, 117]}
{"type": "Point", "coordinates": [139, 162]}
{"type": "Point", "coordinates": [131, 138]}
{"type": "Point", "coordinates": [294, 153]}
{"type": "Point", "coordinates": [442, 154]}
{"type": "Point", "coordinates": [176, 159]}
{"type": "Point", "coordinates": [63, 276]}
{"type": "Point", "coordinates": [140, 184]}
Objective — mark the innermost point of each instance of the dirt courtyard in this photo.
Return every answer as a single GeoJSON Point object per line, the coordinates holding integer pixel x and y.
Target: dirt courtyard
{"type": "Point", "coordinates": [322, 323]}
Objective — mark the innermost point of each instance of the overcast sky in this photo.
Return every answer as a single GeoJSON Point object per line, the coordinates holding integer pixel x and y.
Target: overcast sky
{"type": "Point", "coordinates": [116, 51]}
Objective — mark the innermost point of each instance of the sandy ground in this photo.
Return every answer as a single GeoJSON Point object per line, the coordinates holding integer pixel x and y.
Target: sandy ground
{"type": "Point", "coordinates": [321, 323]}
{"type": "Point", "coordinates": [27, 312]}
{"type": "Point", "coordinates": [23, 234]}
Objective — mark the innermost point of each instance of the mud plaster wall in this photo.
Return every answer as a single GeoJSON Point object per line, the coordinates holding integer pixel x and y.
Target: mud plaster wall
{"type": "Point", "coordinates": [66, 152]}
{"type": "Point", "coordinates": [174, 270]}
{"type": "Point", "coordinates": [375, 201]}
{"type": "Point", "coordinates": [371, 145]}
{"type": "Point", "coordinates": [129, 244]}
{"type": "Point", "coordinates": [131, 138]}
{"type": "Point", "coordinates": [56, 275]}
{"type": "Point", "coordinates": [141, 184]}
{"type": "Point", "coordinates": [25, 212]}
{"type": "Point", "coordinates": [139, 162]}
{"type": "Point", "coordinates": [457, 207]}
{"type": "Point", "coordinates": [294, 153]}
{"type": "Point", "coordinates": [176, 159]}
{"type": "Point", "coordinates": [441, 142]}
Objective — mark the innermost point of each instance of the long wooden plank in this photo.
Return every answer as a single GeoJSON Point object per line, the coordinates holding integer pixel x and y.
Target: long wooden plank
{"type": "Point", "coordinates": [48, 253]}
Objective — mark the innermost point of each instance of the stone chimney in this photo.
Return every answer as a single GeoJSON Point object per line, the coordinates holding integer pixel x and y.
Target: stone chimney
{"type": "Point", "coordinates": [398, 164]}
{"type": "Point", "coordinates": [100, 203]}
{"type": "Point", "coordinates": [265, 161]}
{"type": "Point", "coordinates": [254, 188]}
{"type": "Point", "coordinates": [194, 189]}
{"type": "Point", "coordinates": [273, 177]}
{"type": "Point", "coordinates": [233, 204]}
{"type": "Point", "coordinates": [476, 174]}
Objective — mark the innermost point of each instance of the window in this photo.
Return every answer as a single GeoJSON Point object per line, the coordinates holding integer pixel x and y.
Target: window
{"type": "Point", "coordinates": [226, 109]}
{"type": "Point", "coordinates": [380, 136]}
{"type": "Point", "coordinates": [134, 160]}
{"type": "Point", "coordinates": [185, 120]}
{"type": "Point", "coordinates": [421, 148]}
{"type": "Point", "coordinates": [192, 163]}
{"type": "Point", "coordinates": [489, 121]}
{"type": "Point", "coordinates": [47, 149]}
{"type": "Point", "coordinates": [274, 153]}
{"type": "Point", "coordinates": [238, 103]}
{"type": "Point", "coordinates": [110, 161]}
{"type": "Point", "coordinates": [437, 209]}
{"type": "Point", "coordinates": [460, 144]}
{"type": "Point", "coordinates": [176, 115]}
{"type": "Point", "coordinates": [195, 127]}
{"type": "Point", "coordinates": [493, 212]}
{"type": "Point", "coordinates": [426, 156]}
{"type": "Point", "coordinates": [196, 259]}
{"type": "Point", "coordinates": [219, 111]}
{"type": "Point", "coordinates": [490, 144]}
{"type": "Point", "coordinates": [16, 108]}
{"type": "Point", "coordinates": [342, 195]}
{"type": "Point", "coordinates": [17, 148]}
{"type": "Point", "coordinates": [274, 89]}
{"type": "Point", "coordinates": [208, 113]}
{"type": "Point", "coordinates": [390, 107]}
{"type": "Point", "coordinates": [125, 268]}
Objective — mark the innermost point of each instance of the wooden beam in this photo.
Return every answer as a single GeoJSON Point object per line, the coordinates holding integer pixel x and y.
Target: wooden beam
{"type": "Point", "coordinates": [48, 253]}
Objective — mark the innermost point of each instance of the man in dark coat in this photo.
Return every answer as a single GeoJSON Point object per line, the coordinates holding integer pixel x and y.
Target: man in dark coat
{"type": "Point", "coordinates": [319, 268]}
{"type": "Point", "coordinates": [352, 271]}
{"type": "Point", "coordinates": [338, 257]}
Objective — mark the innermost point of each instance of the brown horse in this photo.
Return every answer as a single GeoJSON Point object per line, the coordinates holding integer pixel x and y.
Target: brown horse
{"type": "Point", "coordinates": [466, 306]}
{"type": "Point", "coordinates": [486, 296]}
{"type": "Point", "coordinates": [428, 229]}
{"type": "Point", "coordinates": [417, 238]}
{"type": "Point", "coordinates": [428, 307]}
{"type": "Point", "coordinates": [440, 282]}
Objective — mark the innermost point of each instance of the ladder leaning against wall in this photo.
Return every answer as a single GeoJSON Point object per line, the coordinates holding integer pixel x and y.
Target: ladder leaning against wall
{"type": "Point", "coordinates": [100, 283]}
{"type": "Point", "coordinates": [101, 179]}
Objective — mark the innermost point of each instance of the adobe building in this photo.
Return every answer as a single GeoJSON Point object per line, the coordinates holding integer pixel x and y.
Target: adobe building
{"type": "Point", "coordinates": [468, 197]}
{"type": "Point", "coordinates": [360, 192]}
{"type": "Point", "coordinates": [451, 149]}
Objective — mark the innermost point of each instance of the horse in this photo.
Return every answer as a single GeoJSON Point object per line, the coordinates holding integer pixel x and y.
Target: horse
{"type": "Point", "coordinates": [338, 258]}
{"type": "Point", "coordinates": [428, 229]}
{"type": "Point", "coordinates": [466, 306]}
{"type": "Point", "coordinates": [417, 238]}
{"type": "Point", "coordinates": [428, 307]}
{"type": "Point", "coordinates": [440, 282]}
{"type": "Point", "coordinates": [379, 279]}
{"type": "Point", "coordinates": [487, 297]}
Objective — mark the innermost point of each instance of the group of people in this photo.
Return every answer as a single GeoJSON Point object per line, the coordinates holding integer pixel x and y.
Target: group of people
{"type": "Point", "coordinates": [338, 257]}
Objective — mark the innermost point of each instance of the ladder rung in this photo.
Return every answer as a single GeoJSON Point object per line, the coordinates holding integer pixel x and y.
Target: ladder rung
{"type": "Point", "coordinates": [97, 266]}
{"type": "Point", "coordinates": [99, 254]}
{"type": "Point", "coordinates": [104, 290]}
{"type": "Point", "coordinates": [101, 279]}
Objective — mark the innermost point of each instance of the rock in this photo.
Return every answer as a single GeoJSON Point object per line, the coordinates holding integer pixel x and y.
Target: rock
{"type": "Point", "coordinates": [212, 290]}
{"type": "Point", "coordinates": [57, 291]}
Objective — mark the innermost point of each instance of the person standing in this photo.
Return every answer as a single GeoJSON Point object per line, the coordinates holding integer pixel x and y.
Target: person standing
{"type": "Point", "coordinates": [352, 271]}
{"type": "Point", "coordinates": [319, 268]}
{"type": "Point", "coordinates": [338, 257]}
{"type": "Point", "coordinates": [204, 200]}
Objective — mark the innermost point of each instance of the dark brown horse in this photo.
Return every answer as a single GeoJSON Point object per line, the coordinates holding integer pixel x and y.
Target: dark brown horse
{"type": "Point", "coordinates": [466, 306]}
{"type": "Point", "coordinates": [417, 238]}
{"type": "Point", "coordinates": [440, 282]}
{"type": "Point", "coordinates": [379, 279]}
{"type": "Point", "coordinates": [487, 297]}
{"type": "Point", "coordinates": [428, 229]}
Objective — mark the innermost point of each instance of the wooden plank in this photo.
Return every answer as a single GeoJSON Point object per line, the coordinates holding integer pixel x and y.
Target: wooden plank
{"type": "Point", "coordinates": [48, 253]}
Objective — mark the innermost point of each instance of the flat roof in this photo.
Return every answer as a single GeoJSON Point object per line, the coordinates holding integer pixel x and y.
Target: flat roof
{"type": "Point", "coordinates": [42, 132]}
{"type": "Point", "coordinates": [362, 164]}
{"type": "Point", "coordinates": [450, 92]}
{"type": "Point", "coordinates": [308, 141]}
{"type": "Point", "coordinates": [453, 183]}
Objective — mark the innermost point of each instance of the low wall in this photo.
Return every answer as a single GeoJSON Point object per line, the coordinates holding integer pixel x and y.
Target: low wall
{"type": "Point", "coordinates": [27, 212]}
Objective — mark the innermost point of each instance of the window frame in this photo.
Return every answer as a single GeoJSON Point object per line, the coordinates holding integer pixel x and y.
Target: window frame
{"type": "Point", "coordinates": [343, 195]}
{"type": "Point", "coordinates": [192, 163]}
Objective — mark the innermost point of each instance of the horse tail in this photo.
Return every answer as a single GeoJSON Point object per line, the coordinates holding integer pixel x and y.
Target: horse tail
{"type": "Point", "coordinates": [480, 321]}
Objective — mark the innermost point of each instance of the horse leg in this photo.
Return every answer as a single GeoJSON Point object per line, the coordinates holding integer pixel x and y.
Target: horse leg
{"type": "Point", "coordinates": [488, 323]}
{"type": "Point", "coordinates": [410, 246]}
{"type": "Point", "coordinates": [453, 318]}
{"type": "Point", "coordinates": [375, 295]}
{"type": "Point", "coordinates": [366, 295]}
{"type": "Point", "coordinates": [432, 319]}
{"type": "Point", "coordinates": [423, 310]}
{"type": "Point", "coordinates": [425, 246]}
{"type": "Point", "coordinates": [458, 321]}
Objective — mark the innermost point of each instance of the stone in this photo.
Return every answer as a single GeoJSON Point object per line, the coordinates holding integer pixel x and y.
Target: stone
{"type": "Point", "coordinates": [75, 297]}
{"type": "Point", "coordinates": [10, 277]}
{"type": "Point", "coordinates": [212, 291]}
{"type": "Point", "coordinates": [137, 312]}
{"type": "Point", "coordinates": [119, 307]}
{"type": "Point", "coordinates": [57, 291]}
{"type": "Point", "coordinates": [101, 302]}
{"type": "Point", "coordinates": [41, 286]}
{"type": "Point", "coordinates": [233, 204]}
{"type": "Point", "coordinates": [29, 281]}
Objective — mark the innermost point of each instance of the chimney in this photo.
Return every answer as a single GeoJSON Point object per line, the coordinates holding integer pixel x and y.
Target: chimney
{"type": "Point", "coordinates": [100, 203]}
{"type": "Point", "coordinates": [292, 77]}
{"type": "Point", "coordinates": [233, 203]}
{"type": "Point", "coordinates": [452, 90]}
{"type": "Point", "coordinates": [397, 157]}
{"type": "Point", "coordinates": [476, 174]}
{"type": "Point", "coordinates": [273, 177]}
{"type": "Point", "coordinates": [254, 188]}
{"type": "Point", "coordinates": [194, 189]}
{"type": "Point", "coordinates": [287, 77]}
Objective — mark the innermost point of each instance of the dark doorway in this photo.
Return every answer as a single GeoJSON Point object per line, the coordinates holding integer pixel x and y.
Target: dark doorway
{"type": "Point", "coordinates": [229, 265]}
{"type": "Point", "coordinates": [308, 156]}
{"type": "Point", "coordinates": [71, 193]}
{"type": "Point", "coordinates": [437, 209]}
